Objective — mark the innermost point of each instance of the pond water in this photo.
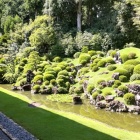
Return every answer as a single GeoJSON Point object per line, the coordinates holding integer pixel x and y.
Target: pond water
{"type": "Point", "coordinates": [126, 121]}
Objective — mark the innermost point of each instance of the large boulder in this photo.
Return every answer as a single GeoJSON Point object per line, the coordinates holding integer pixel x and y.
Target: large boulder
{"type": "Point", "coordinates": [137, 99]}
{"type": "Point", "coordinates": [100, 105]}
{"type": "Point", "coordinates": [109, 98]}
{"type": "Point", "coordinates": [26, 87]}
{"type": "Point", "coordinates": [77, 100]}
{"type": "Point", "coordinates": [116, 76]}
{"type": "Point", "coordinates": [134, 88]}
{"type": "Point", "coordinates": [134, 109]}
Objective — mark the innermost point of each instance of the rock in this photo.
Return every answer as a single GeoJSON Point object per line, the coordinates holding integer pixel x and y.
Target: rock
{"type": "Point", "coordinates": [134, 109]}
{"type": "Point", "coordinates": [99, 98]}
{"type": "Point", "coordinates": [100, 105]}
{"type": "Point", "coordinates": [110, 83]}
{"type": "Point", "coordinates": [134, 88]}
{"type": "Point", "coordinates": [17, 88]}
{"type": "Point", "coordinates": [137, 99]}
{"type": "Point", "coordinates": [109, 98]}
{"type": "Point", "coordinates": [116, 76]}
{"type": "Point", "coordinates": [119, 93]}
{"type": "Point", "coordinates": [26, 87]}
{"type": "Point", "coordinates": [77, 100]}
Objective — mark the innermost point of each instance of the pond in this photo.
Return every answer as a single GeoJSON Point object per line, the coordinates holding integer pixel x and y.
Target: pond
{"type": "Point", "coordinates": [126, 121]}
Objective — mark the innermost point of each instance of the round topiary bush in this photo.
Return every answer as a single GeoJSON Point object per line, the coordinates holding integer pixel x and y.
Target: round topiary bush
{"type": "Point", "coordinates": [129, 68]}
{"type": "Point", "coordinates": [116, 83]}
{"type": "Point", "coordinates": [48, 77]}
{"type": "Point", "coordinates": [95, 94]}
{"type": "Point", "coordinates": [36, 87]}
{"type": "Point", "coordinates": [53, 82]}
{"type": "Point", "coordinates": [100, 81]}
{"type": "Point", "coordinates": [132, 55]}
{"type": "Point", "coordinates": [62, 90]}
{"type": "Point", "coordinates": [57, 59]}
{"type": "Point", "coordinates": [123, 78]}
{"type": "Point", "coordinates": [96, 60]}
{"type": "Point", "coordinates": [38, 78]}
{"type": "Point", "coordinates": [78, 90]}
{"type": "Point", "coordinates": [95, 68]}
{"type": "Point", "coordinates": [20, 69]}
{"type": "Point", "coordinates": [77, 54]}
{"type": "Point", "coordinates": [109, 60]}
{"type": "Point", "coordinates": [65, 78]}
{"type": "Point", "coordinates": [111, 67]}
{"type": "Point", "coordinates": [46, 82]}
{"type": "Point", "coordinates": [60, 82]}
{"type": "Point", "coordinates": [122, 71]}
{"type": "Point", "coordinates": [57, 69]}
{"type": "Point", "coordinates": [84, 58]}
{"type": "Point", "coordinates": [135, 77]}
{"type": "Point", "coordinates": [106, 93]}
{"type": "Point", "coordinates": [92, 65]}
{"type": "Point", "coordinates": [129, 98]}
{"type": "Point", "coordinates": [123, 88]}
{"type": "Point", "coordinates": [101, 63]}
{"type": "Point", "coordinates": [137, 69]}
{"type": "Point", "coordinates": [132, 62]}
{"type": "Point", "coordinates": [63, 72]}
{"type": "Point", "coordinates": [124, 58]}
{"type": "Point", "coordinates": [90, 88]}
{"type": "Point", "coordinates": [93, 57]}
{"type": "Point", "coordinates": [92, 53]}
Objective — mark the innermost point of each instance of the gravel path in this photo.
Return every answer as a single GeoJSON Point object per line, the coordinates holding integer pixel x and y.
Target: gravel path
{"type": "Point", "coordinates": [13, 130]}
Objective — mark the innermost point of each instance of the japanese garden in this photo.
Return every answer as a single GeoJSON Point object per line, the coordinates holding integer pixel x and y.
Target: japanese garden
{"type": "Point", "coordinates": [70, 69]}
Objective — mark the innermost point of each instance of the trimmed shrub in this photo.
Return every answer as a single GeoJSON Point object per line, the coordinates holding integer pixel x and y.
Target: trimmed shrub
{"type": "Point", "coordinates": [57, 59]}
{"type": "Point", "coordinates": [124, 58]}
{"type": "Point", "coordinates": [84, 70]}
{"type": "Point", "coordinates": [132, 62]}
{"type": "Point", "coordinates": [77, 54]}
{"type": "Point", "coordinates": [50, 72]}
{"type": "Point", "coordinates": [48, 77]}
{"type": "Point", "coordinates": [92, 53]}
{"type": "Point", "coordinates": [46, 82]}
{"type": "Point", "coordinates": [60, 82]}
{"type": "Point", "coordinates": [62, 90]}
{"type": "Point", "coordinates": [94, 57]}
{"type": "Point", "coordinates": [22, 64]}
{"type": "Point", "coordinates": [135, 77]}
{"type": "Point", "coordinates": [90, 88]}
{"type": "Point", "coordinates": [95, 94]}
{"type": "Point", "coordinates": [109, 60]}
{"type": "Point", "coordinates": [123, 78]}
{"type": "Point", "coordinates": [92, 65]}
{"type": "Point", "coordinates": [101, 63]}
{"type": "Point", "coordinates": [106, 93]}
{"type": "Point", "coordinates": [38, 78]}
{"type": "Point", "coordinates": [123, 88]}
{"type": "Point", "coordinates": [65, 78]}
{"type": "Point", "coordinates": [78, 90]}
{"type": "Point", "coordinates": [129, 98]}
{"type": "Point", "coordinates": [95, 68]}
{"type": "Point", "coordinates": [38, 73]}
{"type": "Point", "coordinates": [68, 68]}
{"type": "Point", "coordinates": [97, 60]}
{"type": "Point", "coordinates": [122, 71]}
{"type": "Point", "coordinates": [129, 68]}
{"type": "Point", "coordinates": [111, 67]}
{"type": "Point", "coordinates": [24, 60]}
{"type": "Point", "coordinates": [36, 87]}
{"type": "Point", "coordinates": [63, 72]}
{"type": "Point", "coordinates": [132, 55]}
{"type": "Point", "coordinates": [20, 69]}
{"type": "Point", "coordinates": [57, 69]}
{"type": "Point", "coordinates": [84, 58]}
{"type": "Point", "coordinates": [53, 82]}
{"type": "Point", "coordinates": [112, 53]}
{"type": "Point", "coordinates": [116, 83]}
{"type": "Point", "coordinates": [137, 69]}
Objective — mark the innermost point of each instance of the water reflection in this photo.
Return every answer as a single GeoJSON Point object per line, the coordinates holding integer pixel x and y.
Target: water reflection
{"type": "Point", "coordinates": [120, 120]}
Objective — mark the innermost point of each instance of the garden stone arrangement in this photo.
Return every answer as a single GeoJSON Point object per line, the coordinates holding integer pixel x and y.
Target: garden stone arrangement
{"type": "Point", "coordinates": [13, 130]}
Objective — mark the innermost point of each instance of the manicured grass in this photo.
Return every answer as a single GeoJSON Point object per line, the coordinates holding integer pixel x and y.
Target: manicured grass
{"type": "Point", "coordinates": [49, 124]}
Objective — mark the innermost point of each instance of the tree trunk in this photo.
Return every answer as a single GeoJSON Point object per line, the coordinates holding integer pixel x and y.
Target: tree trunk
{"type": "Point", "coordinates": [79, 14]}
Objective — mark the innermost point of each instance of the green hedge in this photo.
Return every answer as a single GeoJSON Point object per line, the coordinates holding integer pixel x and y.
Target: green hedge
{"type": "Point", "coordinates": [129, 98]}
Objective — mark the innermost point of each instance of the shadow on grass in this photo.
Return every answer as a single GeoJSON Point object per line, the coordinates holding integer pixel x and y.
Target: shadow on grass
{"type": "Point", "coordinates": [46, 125]}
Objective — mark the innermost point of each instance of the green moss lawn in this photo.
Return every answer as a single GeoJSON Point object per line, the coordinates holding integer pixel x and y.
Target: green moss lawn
{"type": "Point", "coordinates": [48, 124]}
